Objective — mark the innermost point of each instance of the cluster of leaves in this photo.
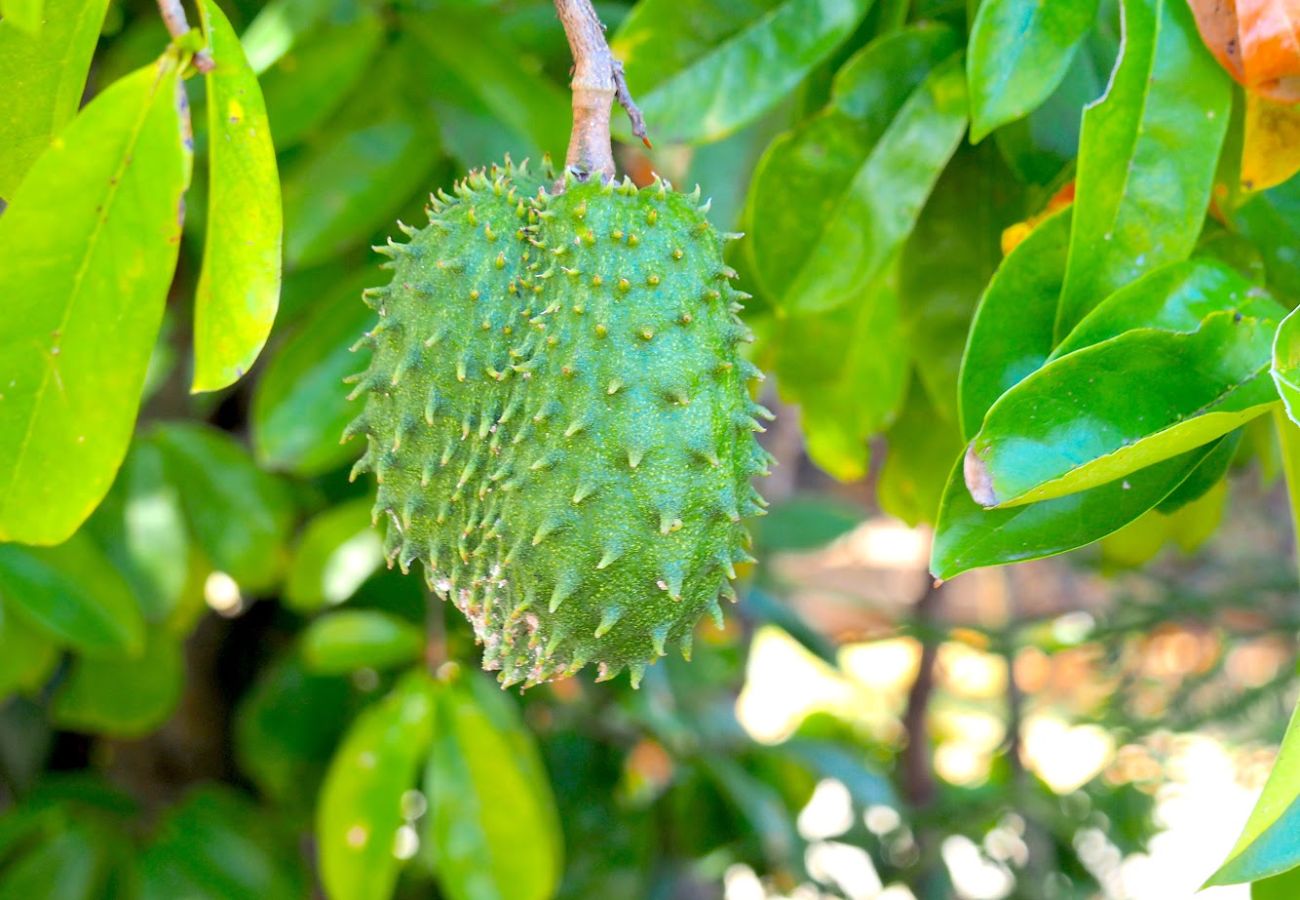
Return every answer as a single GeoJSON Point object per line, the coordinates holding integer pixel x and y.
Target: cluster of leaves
{"type": "Point", "coordinates": [960, 235]}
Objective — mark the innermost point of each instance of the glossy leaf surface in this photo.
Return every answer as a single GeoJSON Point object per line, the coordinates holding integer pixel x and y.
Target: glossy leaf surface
{"type": "Point", "coordinates": [89, 243]}
{"type": "Point", "coordinates": [354, 639]}
{"type": "Point", "coordinates": [338, 550]}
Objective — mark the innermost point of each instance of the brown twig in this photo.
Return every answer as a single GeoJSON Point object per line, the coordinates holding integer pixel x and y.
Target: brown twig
{"type": "Point", "coordinates": [173, 16]}
{"type": "Point", "coordinates": [597, 82]}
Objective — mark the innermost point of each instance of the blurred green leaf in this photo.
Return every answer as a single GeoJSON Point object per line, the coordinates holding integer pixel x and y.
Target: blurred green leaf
{"type": "Point", "coordinates": [921, 447]}
{"type": "Point", "coordinates": [1271, 220]}
{"type": "Point", "coordinates": [26, 15]}
{"type": "Point", "coordinates": [823, 362]}
{"type": "Point", "coordinates": [1011, 334]}
{"type": "Point", "coordinates": [287, 727]}
{"type": "Point", "coordinates": [1268, 844]}
{"type": "Point", "coordinates": [1019, 52]}
{"type": "Point", "coordinates": [492, 822]}
{"type": "Point", "coordinates": [338, 551]}
{"type": "Point", "coordinates": [1206, 475]}
{"type": "Point", "coordinates": [89, 242]}
{"type": "Point", "coordinates": [142, 529]}
{"type": "Point", "coordinates": [360, 810]}
{"type": "Point", "coordinates": [308, 84]}
{"type": "Point", "coordinates": [280, 24]}
{"type": "Point", "coordinates": [240, 515]}
{"type": "Point", "coordinates": [74, 864]}
{"type": "Point", "coordinates": [353, 639]}
{"type": "Point", "coordinates": [1147, 157]}
{"type": "Point", "coordinates": [73, 593]}
{"type": "Point", "coordinates": [968, 536]}
{"type": "Point", "coordinates": [216, 845]}
{"type": "Point", "coordinates": [122, 698]}
{"type": "Point", "coordinates": [29, 656]}
{"type": "Point", "coordinates": [1076, 423]}
{"type": "Point", "coordinates": [1288, 439]}
{"type": "Point", "coordinates": [805, 522]}
{"type": "Point", "coordinates": [761, 808]}
{"type": "Point", "coordinates": [239, 284]}
{"type": "Point", "coordinates": [44, 75]}
{"type": "Point", "coordinates": [518, 95]}
{"type": "Point", "coordinates": [833, 200]}
{"type": "Point", "coordinates": [300, 404]}
{"type": "Point", "coordinates": [701, 70]}
{"type": "Point", "coordinates": [340, 191]}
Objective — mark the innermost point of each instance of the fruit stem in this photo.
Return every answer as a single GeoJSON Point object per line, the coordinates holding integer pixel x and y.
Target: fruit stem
{"type": "Point", "coordinates": [173, 16]}
{"type": "Point", "coordinates": [597, 81]}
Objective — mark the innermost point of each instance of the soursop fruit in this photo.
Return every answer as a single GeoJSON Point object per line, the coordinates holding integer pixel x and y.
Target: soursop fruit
{"type": "Point", "coordinates": [558, 418]}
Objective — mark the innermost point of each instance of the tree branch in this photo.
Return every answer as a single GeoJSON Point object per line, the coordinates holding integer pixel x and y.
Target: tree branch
{"type": "Point", "coordinates": [597, 82]}
{"type": "Point", "coordinates": [173, 16]}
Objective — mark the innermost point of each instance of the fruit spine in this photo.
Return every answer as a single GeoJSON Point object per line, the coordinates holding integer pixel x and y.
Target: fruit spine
{"type": "Point", "coordinates": [558, 419]}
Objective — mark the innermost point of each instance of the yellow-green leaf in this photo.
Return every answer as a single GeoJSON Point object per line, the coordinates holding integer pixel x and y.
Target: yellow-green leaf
{"type": "Point", "coordinates": [44, 76]}
{"type": "Point", "coordinates": [239, 285]}
{"type": "Point", "coordinates": [89, 244]}
{"type": "Point", "coordinates": [26, 14]}
{"type": "Point", "coordinates": [1270, 149]}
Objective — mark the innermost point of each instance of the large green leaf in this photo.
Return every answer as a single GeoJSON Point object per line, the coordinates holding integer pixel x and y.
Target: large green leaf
{"type": "Point", "coordinates": [1271, 220]}
{"type": "Point", "coordinates": [29, 655]}
{"type": "Point", "coordinates": [1176, 297]}
{"type": "Point", "coordinates": [338, 551]}
{"type": "Point", "coordinates": [353, 639]}
{"type": "Point", "coordinates": [518, 95]}
{"type": "Point", "coordinates": [300, 404]}
{"type": "Point", "coordinates": [1286, 364]}
{"type": "Point", "coordinates": [72, 593]}
{"type": "Point", "coordinates": [702, 70]}
{"type": "Point", "coordinates": [920, 448]}
{"type": "Point", "coordinates": [216, 845]}
{"type": "Point", "coordinates": [1147, 157]}
{"type": "Point", "coordinates": [240, 515]}
{"type": "Point", "coordinates": [1079, 422]}
{"type": "Point", "coordinates": [309, 83]}
{"type": "Point", "coordinates": [1268, 845]}
{"type": "Point", "coordinates": [44, 76]}
{"type": "Point", "coordinates": [1038, 147]}
{"type": "Point", "coordinates": [847, 369]}
{"type": "Point", "coordinates": [832, 201]}
{"type": "Point", "coordinates": [342, 190]}
{"type": "Point", "coordinates": [967, 536]}
{"type": "Point", "coordinates": [89, 244]}
{"type": "Point", "coordinates": [239, 284]}
{"type": "Point", "coordinates": [492, 822]}
{"type": "Point", "coordinates": [24, 14]}
{"type": "Point", "coordinates": [1011, 335]}
{"type": "Point", "coordinates": [122, 698]}
{"type": "Point", "coordinates": [360, 810]}
{"type": "Point", "coordinates": [1279, 887]}
{"type": "Point", "coordinates": [1019, 52]}
{"type": "Point", "coordinates": [280, 24]}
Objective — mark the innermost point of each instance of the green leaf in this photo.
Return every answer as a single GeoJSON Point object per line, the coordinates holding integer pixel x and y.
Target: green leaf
{"type": "Point", "coordinates": [1288, 438]}
{"type": "Point", "coordinates": [29, 656]}
{"type": "Point", "coordinates": [72, 593]}
{"type": "Point", "coordinates": [44, 76]}
{"type": "Point", "coordinates": [805, 522]}
{"type": "Point", "coordinates": [122, 698]}
{"type": "Point", "coordinates": [1267, 845]}
{"type": "Point", "coordinates": [338, 551]}
{"type": "Point", "coordinates": [360, 809]}
{"type": "Point", "coordinates": [492, 821]}
{"type": "Point", "coordinates": [968, 536]}
{"type": "Point", "coordinates": [702, 70]}
{"type": "Point", "coordinates": [240, 515]}
{"type": "Point", "coordinates": [288, 726]}
{"type": "Point", "coordinates": [920, 446]}
{"type": "Point", "coordinates": [281, 23]}
{"type": "Point", "coordinates": [1271, 220]}
{"type": "Point", "coordinates": [1286, 363]}
{"type": "Point", "coordinates": [518, 95]}
{"type": "Point", "coordinates": [339, 193]}
{"type": "Point", "coordinates": [1019, 52]}
{"type": "Point", "coordinates": [300, 404]}
{"type": "Point", "coordinates": [1205, 476]}
{"type": "Point", "coordinates": [833, 200]}
{"type": "Point", "coordinates": [24, 14]}
{"type": "Point", "coordinates": [342, 642]}
{"type": "Point", "coordinates": [1077, 422]}
{"type": "Point", "coordinates": [239, 284]}
{"type": "Point", "coordinates": [89, 243]}
{"type": "Point", "coordinates": [1280, 887]}
{"type": "Point", "coordinates": [1176, 297]}
{"type": "Point", "coordinates": [216, 845]}
{"type": "Point", "coordinates": [308, 84]}
{"type": "Point", "coordinates": [823, 360]}
{"type": "Point", "coordinates": [72, 865]}
{"type": "Point", "coordinates": [1147, 157]}
{"type": "Point", "coordinates": [1011, 335]}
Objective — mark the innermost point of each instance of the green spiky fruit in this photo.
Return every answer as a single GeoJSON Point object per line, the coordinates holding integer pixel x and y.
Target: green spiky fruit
{"type": "Point", "coordinates": [559, 422]}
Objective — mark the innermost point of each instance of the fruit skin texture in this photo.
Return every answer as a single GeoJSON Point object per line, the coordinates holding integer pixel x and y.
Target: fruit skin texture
{"type": "Point", "coordinates": [559, 421]}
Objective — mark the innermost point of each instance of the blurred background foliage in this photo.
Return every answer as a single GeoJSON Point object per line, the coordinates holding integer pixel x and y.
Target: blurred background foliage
{"type": "Point", "coordinates": [215, 689]}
